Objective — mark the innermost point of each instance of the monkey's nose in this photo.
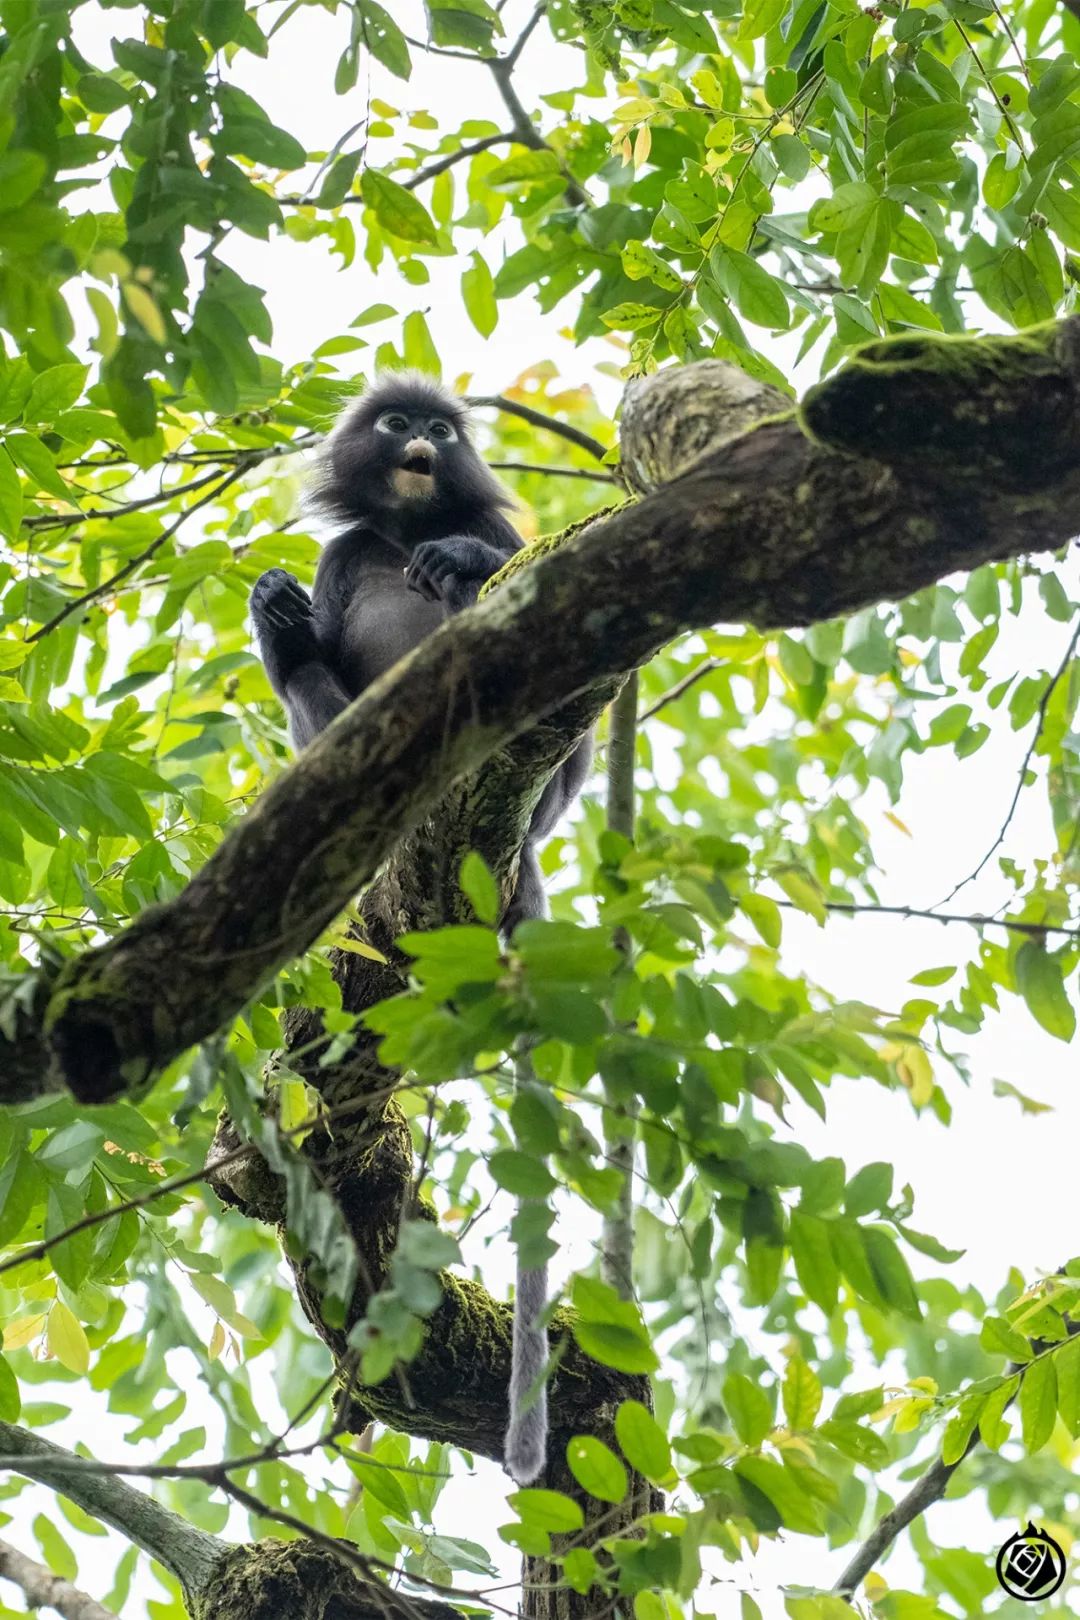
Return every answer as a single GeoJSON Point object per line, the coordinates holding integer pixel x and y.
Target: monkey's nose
{"type": "Point", "coordinates": [419, 456]}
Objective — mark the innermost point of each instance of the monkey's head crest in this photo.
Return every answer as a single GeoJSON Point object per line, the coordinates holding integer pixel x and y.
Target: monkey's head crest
{"type": "Point", "coordinates": [403, 447]}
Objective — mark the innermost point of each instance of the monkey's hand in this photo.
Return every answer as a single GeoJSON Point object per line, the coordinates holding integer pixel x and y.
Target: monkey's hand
{"type": "Point", "coordinates": [284, 624]}
{"type": "Point", "coordinates": [452, 571]}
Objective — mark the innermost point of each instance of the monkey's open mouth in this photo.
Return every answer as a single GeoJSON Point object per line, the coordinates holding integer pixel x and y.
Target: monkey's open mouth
{"type": "Point", "coordinates": [419, 462]}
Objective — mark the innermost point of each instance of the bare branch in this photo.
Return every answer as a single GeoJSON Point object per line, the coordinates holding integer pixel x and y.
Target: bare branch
{"type": "Point", "coordinates": [44, 1590]}
{"type": "Point", "coordinates": [553, 472]}
{"type": "Point", "coordinates": [698, 673]}
{"type": "Point", "coordinates": [1040, 717]}
{"type": "Point", "coordinates": [537, 419]}
{"type": "Point", "coordinates": [974, 919]}
{"type": "Point", "coordinates": [927, 1490]}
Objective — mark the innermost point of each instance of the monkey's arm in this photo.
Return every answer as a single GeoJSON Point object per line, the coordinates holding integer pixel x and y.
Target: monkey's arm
{"type": "Point", "coordinates": [452, 570]}
{"type": "Point", "coordinates": [293, 653]}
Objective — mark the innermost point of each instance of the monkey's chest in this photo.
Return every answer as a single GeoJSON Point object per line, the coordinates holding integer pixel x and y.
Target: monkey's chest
{"type": "Point", "coordinates": [384, 621]}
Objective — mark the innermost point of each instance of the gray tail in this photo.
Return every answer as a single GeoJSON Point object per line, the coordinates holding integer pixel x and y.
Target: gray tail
{"type": "Point", "coordinates": [526, 1436]}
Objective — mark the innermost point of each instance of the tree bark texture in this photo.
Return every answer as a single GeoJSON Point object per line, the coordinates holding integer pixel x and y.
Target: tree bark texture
{"type": "Point", "coordinates": [923, 457]}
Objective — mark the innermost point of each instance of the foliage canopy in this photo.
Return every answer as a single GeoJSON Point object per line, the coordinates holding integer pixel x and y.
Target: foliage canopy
{"type": "Point", "coordinates": [771, 183]}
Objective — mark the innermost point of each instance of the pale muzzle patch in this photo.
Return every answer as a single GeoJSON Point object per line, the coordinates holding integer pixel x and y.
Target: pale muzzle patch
{"type": "Point", "coordinates": [415, 478]}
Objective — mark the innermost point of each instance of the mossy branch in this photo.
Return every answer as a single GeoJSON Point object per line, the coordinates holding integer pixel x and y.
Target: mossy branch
{"type": "Point", "coordinates": [783, 524]}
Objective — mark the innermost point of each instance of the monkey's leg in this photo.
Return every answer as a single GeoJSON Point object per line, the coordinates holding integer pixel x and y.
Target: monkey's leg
{"type": "Point", "coordinates": [313, 697]}
{"type": "Point", "coordinates": [529, 899]}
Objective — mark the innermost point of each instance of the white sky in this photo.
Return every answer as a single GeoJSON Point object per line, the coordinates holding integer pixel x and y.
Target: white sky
{"type": "Point", "coordinates": [997, 1181]}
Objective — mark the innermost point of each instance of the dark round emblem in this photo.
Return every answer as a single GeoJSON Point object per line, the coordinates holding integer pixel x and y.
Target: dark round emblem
{"type": "Point", "coordinates": [1031, 1565]}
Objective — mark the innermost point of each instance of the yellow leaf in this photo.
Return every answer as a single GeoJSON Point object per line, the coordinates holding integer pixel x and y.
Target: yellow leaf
{"type": "Point", "coordinates": [875, 1586]}
{"type": "Point", "coordinates": [802, 890]}
{"type": "Point", "coordinates": [898, 823]}
{"type": "Point", "coordinates": [891, 1406]}
{"type": "Point", "coordinates": [66, 1339]}
{"type": "Point", "coordinates": [244, 1326]}
{"type": "Point", "coordinates": [927, 1385]}
{"type": "Point", "coordinates": [217, 1342]}
{"type": "Point", "coordinates": [908, 1419]}
{"type": "Point", "coordinates": [22, 1330]}
{"type": "Point", "coordinates": [642, 145]}
{"type": "Point", "coordinates": [144, 309]}
{"type": "Point", "coordinates": [295, 1106]}
{"type": "Point", "coordinates": [632, 112]}
{"type": "Point", "coordinates": [916, 1072]}
{"type": "Point", "coordinates": [358, 947]}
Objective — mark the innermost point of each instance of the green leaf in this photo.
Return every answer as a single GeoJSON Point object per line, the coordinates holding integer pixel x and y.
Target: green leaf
{"type": "Point", "coordinates": [610, 1329]}
{"type": "Point", "coordinates": [597, 1469]}
{"type": "Point", "coordinates": [643, 1442]}
{"type": "Point", "coordinates": [547, 1510]}
{"type": "Point", "coordinates": [521, 1174]}
{"type": "Point", "coordinates": [480, 888]}
{"type": "Point", "coordinates": [419, 348]}
{"type": "Point", "coordinates": [748, 1407]}
{"type": "Point", "coordinates": [891, 1272]}
{"type": "Point", "coordinates": [869, 1190]}
{"type": "Point", "coordinates": [383, 38]}
{"type": "Point", "coordinates": [758, 16]}
{"type": "Point", "coordinates": [1038, 1402]}
{"type": "Point", "coordinates": [801, 1393]}
{"type": "Point", "coordinates": [38, 465]}
{"type": "Point", "coordinates": [757, 295]}
{"type": "Point", "coordinates": [1000, 1339]}
{"type": "Point", "coordinates": [643, 263]}
{"type": "Point", "coordinates": [478, 296]}
{"type": "Point", "coordinates": [396, 209]}
{"type": "Point", "coordinates": [10, 1399]}
{"type": "Point", "coordinates": [815, 1266]}
{"type": "Point", "coordinates": [802, 890]}
{"type": "Point", "coordinates": [11, 501]}
{"type": "Point", "coordinates": [55, 391]}
{"type": "Point", "coordinates": [1039, 981]}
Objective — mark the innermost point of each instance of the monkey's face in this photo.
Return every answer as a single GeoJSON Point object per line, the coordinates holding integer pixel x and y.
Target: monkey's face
{"type": "Point", "coordinates": [413, 448]}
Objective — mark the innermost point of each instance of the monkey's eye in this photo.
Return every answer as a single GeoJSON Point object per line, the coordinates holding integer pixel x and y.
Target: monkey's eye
{"type": "Point", "coordinates": [392, 422]}
{"type": "Point", "coordinates": [440, 430]}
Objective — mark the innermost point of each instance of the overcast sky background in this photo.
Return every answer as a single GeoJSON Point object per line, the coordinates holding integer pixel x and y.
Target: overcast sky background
{"type": "Point", "coordinates": [998, 1181]}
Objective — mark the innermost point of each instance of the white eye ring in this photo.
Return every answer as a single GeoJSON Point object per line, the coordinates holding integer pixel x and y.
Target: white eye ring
{"type": "Point", "coordinates": [386, 421]}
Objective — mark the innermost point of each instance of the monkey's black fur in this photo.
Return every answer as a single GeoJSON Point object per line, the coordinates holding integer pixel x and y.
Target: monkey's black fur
{"type": "Point", "coordinates": [425, 529]}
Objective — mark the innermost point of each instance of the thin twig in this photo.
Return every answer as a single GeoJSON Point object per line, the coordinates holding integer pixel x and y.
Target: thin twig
{"type": "Point", "coordinates": [550, 424]}
{"type": "Point", "coordinates": [1013, 41]}
{"type": "Point", "coordinates": [698, 673]}
{"type": "Point", "coordinates": [1040, 714]}
{"type": "Point", "coordinates": [106, 586]}
{"type": "Point", "coordinates": [974, 919]}
{"type": "Point", "coordinates": [553, 472]}
{"type": "Point", "coordinates": [67, 520]}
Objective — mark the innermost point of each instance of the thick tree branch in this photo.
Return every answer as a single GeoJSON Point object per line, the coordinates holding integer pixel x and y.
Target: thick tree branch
{"type": "Point", "coordinates": [44, 1590]}
{"type": "Point", "coordinates": [977, 457]}
{"type": "Point", "coordinates": [190, 1554]}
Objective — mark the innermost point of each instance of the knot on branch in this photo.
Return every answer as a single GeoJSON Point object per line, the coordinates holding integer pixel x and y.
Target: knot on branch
{"type": "Point", "coordinates": [958, 409]}
{"type": "Point", "coordinates": [673, 418]}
